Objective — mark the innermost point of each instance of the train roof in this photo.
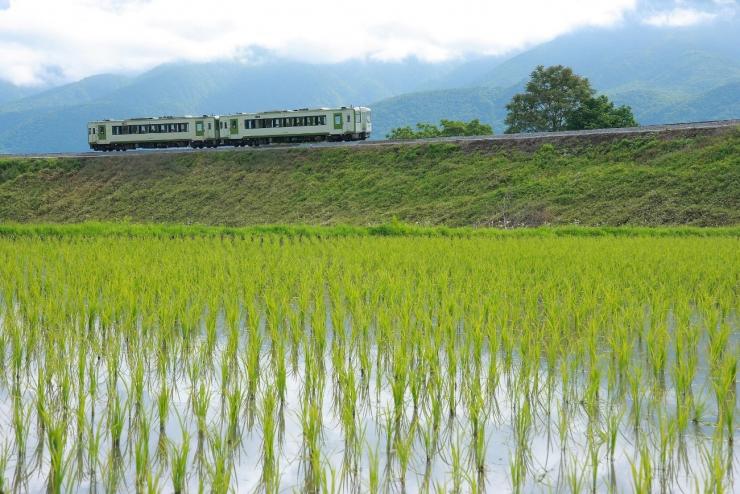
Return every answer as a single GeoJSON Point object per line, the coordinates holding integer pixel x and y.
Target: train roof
{"type": "Point", "coordinates": [268, 112]}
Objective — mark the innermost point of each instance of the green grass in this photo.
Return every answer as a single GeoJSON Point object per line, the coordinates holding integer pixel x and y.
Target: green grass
{"type": "Point", "coordinates": [392, 229]}
{"type": "Point", "coordinates": [637, 181]}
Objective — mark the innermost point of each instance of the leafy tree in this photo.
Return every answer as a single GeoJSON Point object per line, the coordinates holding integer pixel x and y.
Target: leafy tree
{"type": "Point", "coordinates": [402, 133]}
{"type": "Point", "coordinates": [556, 99]}
{"type": "Point", "coordinates": [447, 128]}
{"type": "Point", "coordinates": [600, 113]}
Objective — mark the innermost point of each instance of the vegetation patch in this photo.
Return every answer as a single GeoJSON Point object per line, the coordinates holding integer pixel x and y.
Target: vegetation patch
{"type": "Point", "coordinates": [181, 359]}
{"type": "Point", "coordinates": [640, 181]}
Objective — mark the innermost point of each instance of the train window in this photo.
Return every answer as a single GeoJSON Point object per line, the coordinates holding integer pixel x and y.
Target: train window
{"type": "Point", "coordinates": [359, 117]}
{"type": "Point", "coordinates": [209, 126]}
{"type": "Point", "coordinates": [349, 118]}
{"type": "Point", "coordinates": [337, 120]}
{"type": "Point", "coordinates": [322, 120]}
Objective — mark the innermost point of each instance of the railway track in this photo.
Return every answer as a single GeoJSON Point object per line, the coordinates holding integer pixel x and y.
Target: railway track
{"type": "Point", "coordinates": [534, 136]}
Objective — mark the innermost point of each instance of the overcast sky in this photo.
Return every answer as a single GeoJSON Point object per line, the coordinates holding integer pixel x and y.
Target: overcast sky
{"type": "Point", "coordinates": [54, 41]}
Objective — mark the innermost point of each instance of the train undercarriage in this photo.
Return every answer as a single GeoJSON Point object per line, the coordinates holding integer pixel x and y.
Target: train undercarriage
{"type": "Point", "coordinates": [244, 142]}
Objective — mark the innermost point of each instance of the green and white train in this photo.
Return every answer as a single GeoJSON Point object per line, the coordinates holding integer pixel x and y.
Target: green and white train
{"type": "Point", "coordinates": [240, 129]}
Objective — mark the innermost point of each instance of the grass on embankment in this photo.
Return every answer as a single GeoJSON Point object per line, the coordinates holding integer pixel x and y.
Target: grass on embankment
{"type": "Point", "coordinates": [641, 181]}
{"type": "Point", "coordinates": [395, 229]}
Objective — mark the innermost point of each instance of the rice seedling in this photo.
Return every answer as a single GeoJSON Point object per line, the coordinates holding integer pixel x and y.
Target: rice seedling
{"type": "Point", "coordinates": [5, 453]}
{"type": "Point", "coordinates": [541, 357]}
{"type": "Point", "coordinates": [56, 434]}
{"type": "Point", "coordinates": [179, 463]}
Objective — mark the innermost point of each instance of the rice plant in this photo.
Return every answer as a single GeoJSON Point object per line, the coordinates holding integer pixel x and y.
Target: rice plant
{"type": "Point", "coordinates": [319, 361]}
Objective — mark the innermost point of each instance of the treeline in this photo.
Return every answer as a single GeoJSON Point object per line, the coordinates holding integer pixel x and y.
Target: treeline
{"type": "Point", "coordinates": [446, 128]}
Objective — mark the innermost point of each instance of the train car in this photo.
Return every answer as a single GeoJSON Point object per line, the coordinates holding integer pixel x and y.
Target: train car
{"type": "Point", "coordinates": [295, 126]}
{"type": "Point", "coordinates": [153, 133]}
{"type": "Point", "coordinates": [241, 129]}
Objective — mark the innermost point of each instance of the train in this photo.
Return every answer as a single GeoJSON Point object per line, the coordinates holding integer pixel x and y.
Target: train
{"type": "Point", "coordinates": [347, 123]}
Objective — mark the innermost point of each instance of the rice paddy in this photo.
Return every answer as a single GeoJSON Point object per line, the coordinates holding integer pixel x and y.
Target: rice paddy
{"type": "Point", "coordinates": [291, 362]}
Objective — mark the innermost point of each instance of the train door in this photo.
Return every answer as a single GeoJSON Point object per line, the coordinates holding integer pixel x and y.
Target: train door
{"type": "Point", "coordinates": [338, 123]}
{"type": "Point", "coordinates": [233, 126]}
{"type": "Point", "coordinates": [217, 129]}
{"type": "Point", "coordinates": [101, 132]}
{"type": "Point", "coordinates": [199, 128]}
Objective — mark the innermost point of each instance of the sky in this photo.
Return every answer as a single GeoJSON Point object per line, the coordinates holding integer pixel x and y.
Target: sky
{"type": "Point", "coordinates": [48, 42]}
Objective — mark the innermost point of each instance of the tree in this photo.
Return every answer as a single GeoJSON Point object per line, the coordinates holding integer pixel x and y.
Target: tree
{"type": "Point", "coordinates": [447, 128]}
{"type": "Point", "coordinates": [600, 113]}
{"type": "Point", "coordinates": [556, 98]}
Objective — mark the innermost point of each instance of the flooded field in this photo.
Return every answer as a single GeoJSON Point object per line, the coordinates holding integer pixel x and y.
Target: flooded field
{"type": "Point", "coordinates": [289, 363]}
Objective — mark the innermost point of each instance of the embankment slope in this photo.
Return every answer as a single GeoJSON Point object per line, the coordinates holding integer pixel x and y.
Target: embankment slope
{"type": "Point", "coordinates": [644, 180]}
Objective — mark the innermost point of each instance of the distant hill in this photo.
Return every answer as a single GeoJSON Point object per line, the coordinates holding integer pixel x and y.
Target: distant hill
{"type": "Point", "coordinates": [55, 120]}
{"type": "Point", "coordinates": [10, 92]}
{"type": "Point", "coordinates": [665, 75]}
{"type": "Point", "coordinates": [484, 103]}
{"type": "Point", "coordinates": [85, 91]}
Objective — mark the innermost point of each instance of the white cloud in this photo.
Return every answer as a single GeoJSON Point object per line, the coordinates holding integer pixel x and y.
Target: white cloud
{"type": "Point", "coordinates": [679, 17]}
{"type": "Point", "coordinates": [84, 37]}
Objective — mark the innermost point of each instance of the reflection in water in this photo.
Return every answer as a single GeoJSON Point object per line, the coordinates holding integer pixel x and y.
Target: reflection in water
{"type": "Point", "coordinates": [525, 435]}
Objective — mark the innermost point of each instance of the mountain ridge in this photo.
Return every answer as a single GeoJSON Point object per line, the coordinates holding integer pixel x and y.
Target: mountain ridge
{"type": "Point", "coordinates": [665, 75]}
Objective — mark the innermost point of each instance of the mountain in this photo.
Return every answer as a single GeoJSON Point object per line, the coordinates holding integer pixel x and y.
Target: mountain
{"type": "Point", "coordinates": [81, 92]}
{"type": "Point", "coordinates": [10, 92]}
{"type": "Point", "coordinates": [665, 75]}
{"type": "Point", "coordinates": [484, 103]}
{"type": "Point", "coordinates": [55, 120]}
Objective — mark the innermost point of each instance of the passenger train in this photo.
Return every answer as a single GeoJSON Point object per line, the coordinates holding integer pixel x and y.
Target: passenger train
{"type": "Point", "coordinates": [240, 129]}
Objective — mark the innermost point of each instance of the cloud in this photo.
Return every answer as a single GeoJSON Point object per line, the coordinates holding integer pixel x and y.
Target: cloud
{"type": "Point", "coordinates": [681, 13]}
{"type": "Point", "coordinates": [85, 37]}
{"type": "Point", "coordinates": [679, 17]}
